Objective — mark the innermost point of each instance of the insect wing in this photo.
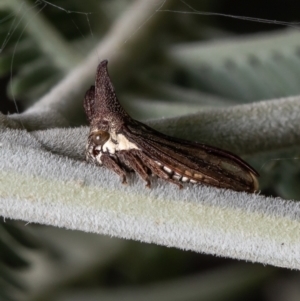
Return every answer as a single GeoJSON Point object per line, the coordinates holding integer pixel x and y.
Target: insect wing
{"type": "Point", "coordinates": [195, 161]}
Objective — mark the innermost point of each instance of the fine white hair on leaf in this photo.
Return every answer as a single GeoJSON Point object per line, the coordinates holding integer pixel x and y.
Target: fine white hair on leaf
{"type": "Point", "coordinates": [204, 219]}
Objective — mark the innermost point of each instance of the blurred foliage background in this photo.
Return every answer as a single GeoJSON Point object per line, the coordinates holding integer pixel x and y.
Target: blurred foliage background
{"type": "Point", "coordinates": [196, 61]}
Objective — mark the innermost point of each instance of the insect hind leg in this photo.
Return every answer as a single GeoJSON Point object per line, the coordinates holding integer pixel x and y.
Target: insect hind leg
{"type": "Point", "coordinates": [157, 169]}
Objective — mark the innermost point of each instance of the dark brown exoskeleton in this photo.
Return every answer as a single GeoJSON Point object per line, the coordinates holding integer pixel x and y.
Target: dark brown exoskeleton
{"type": "Point", "coordinates": [123, 144]}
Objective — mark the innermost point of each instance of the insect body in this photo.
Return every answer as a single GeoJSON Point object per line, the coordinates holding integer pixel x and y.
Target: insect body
{"type": "Point", "coordinates": [122, 144]}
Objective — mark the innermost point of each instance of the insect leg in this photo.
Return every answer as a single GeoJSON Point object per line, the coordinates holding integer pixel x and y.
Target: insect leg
{"type": "Point", "coordinates": [157, 170]}
{"type": "Point", "coordinates": [111, 164]}
{"type": "Point", "coordinates": [136, 164]}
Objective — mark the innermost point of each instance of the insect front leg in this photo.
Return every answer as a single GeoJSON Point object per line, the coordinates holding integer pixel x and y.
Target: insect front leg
{"type": "Point", "coordinates": [113, 165]}
{"type": "Point", "coordinates": [134, 162]}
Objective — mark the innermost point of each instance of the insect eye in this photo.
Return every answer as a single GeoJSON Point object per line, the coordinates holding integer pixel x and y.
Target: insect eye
{"type": "Point", "coordinates": [100, 137]}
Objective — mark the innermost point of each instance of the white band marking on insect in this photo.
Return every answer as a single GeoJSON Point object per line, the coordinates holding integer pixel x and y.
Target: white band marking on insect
{"type": "Point", "coordinates": [167, 169]}
{"type": "Point", "coordinates": [122, 144]}
{"type": "Point", "coordinates": [184, 179]}
{"type": "Point", "coordinates": [98, 158]}
{"type": "Point", "coordinates": [176, 177]}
